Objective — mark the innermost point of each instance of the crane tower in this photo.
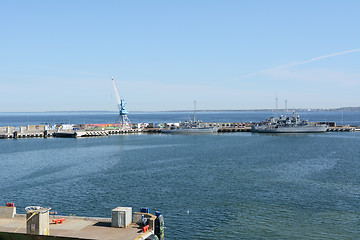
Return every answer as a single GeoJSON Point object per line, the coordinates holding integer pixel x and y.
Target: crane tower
{"type": "Point", "coordinates": [123, 119]}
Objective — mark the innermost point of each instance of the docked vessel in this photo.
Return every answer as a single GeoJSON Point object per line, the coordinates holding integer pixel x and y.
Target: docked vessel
{"type": "Point", "coordinates": [285, 124]}
{"type": "Point", "coordinates": [63, 134]}
{"type": "Point", "coordinates": [191, 126]}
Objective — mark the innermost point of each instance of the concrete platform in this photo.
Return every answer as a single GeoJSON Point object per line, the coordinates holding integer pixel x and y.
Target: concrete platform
{"type": "Point", "coordinates": [78, 228]}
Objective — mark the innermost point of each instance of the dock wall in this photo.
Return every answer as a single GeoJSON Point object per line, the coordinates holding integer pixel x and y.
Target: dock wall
{"type": "Point", "coordinates": [23, 236]}
{"type": "Point", "coordinates": [42, 131]}
{"type": "Point", "coordinates": [7, 212]}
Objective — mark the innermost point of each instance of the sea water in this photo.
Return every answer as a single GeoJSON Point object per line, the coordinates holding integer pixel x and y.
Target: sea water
{"type": "Point", "coordinates": [52, 118]}
{"type": "Point", "coordinates": [212, 186]}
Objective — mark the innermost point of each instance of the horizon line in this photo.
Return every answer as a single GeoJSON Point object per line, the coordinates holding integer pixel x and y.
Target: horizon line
{"type": "Point", "coordinates": [189, 110]}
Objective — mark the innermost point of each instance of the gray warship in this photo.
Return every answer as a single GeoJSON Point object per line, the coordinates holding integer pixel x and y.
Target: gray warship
{"type": "Point", "coordinates": [285, 124]}
{"type": "Point", "coordinates": [191, 126]}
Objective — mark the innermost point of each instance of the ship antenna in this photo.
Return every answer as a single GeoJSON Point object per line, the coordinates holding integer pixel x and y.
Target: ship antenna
{"type": "Point", "coordinates": [194, 111]}
{"type": "Point", "coordinates": [276, 106]}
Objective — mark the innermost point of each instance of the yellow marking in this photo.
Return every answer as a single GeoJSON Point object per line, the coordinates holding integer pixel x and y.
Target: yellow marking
{"type": "Point", "coordinates": [25, 222]}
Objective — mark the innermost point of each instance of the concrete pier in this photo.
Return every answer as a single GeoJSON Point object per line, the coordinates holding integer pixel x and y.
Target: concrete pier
{"type": "Point", "coordinates": [234, 129]}
{"type": "Point", "coordinates": [41, 131]}
{"type": "Point", "coordinates": [40, 225]}
{"type": "Point", "coordinates": [74, 228]}
{"type": "Point", "coordinates": [342, 129]}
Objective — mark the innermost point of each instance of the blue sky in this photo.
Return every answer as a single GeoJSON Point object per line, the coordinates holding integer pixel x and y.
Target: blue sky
{"type": "Point", "coordinates": [61, 55]}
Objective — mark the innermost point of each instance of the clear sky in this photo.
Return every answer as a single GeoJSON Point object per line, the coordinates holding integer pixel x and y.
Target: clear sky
{"type": "Point", "coordinates": [61, 55]}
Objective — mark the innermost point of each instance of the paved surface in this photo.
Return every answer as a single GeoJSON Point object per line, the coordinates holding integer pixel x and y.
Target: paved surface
{"type": "Point", "coordinates": [78, 227]}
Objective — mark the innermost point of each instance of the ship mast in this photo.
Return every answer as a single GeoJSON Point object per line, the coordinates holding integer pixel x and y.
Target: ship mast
{"type": "Point", "coordinates": [194, 111]}
{"type": "Point", "coordinates": [123, 119]}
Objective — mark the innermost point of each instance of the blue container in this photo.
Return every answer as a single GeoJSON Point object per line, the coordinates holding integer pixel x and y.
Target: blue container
{"type": "Point", "coordinates": [144, 210]}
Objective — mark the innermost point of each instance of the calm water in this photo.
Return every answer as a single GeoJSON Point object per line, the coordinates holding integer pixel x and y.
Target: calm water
{"type": "Point", "coordinates": [234, 185]}
{"type": "Point", "coordinates": [22, 119]}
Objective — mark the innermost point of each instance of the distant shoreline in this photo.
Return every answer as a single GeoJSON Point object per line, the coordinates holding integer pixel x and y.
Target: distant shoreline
{"type": "Point", "coordinates": [347, 109]}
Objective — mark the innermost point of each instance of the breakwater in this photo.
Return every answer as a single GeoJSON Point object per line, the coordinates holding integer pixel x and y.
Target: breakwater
{"type": "Point", "coordinates": [97, 130]}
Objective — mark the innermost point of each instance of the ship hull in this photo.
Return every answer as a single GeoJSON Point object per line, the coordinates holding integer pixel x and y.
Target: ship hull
{"type": "Point", "coordinates": [289, 129]}
{"type": "Point", "coordinates": [65, 134]}
{"type": "Point", "coordinates": [190, 130]}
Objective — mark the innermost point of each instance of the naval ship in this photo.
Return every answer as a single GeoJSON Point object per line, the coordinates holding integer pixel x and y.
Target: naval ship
{"type": "Point", "coordinates": [191, 126]}
{"type": "Point", "coordinates": [285, 124]}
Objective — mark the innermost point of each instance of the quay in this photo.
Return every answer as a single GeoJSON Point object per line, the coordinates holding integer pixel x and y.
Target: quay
{"type": "Point", "coordinates": [42, 131]}
{"type": "Point", "coordinates": [38, 223]}
{"type": "Point", "coordinates": [98, 130]}
{"type": "Point", "coordinates": [343, 129]}
{"type": "Point", "coordinates": [235, 129]}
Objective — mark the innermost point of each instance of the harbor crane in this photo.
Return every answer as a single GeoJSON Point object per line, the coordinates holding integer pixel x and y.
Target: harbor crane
{"type": "Point", "coordinates": [123, 119]}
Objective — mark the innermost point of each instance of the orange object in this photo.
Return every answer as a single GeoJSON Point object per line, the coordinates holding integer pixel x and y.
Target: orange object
{"type": "Point", "coordinates": [145, 228]}
{"type": "Point", "coordinates": [58, 220]}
